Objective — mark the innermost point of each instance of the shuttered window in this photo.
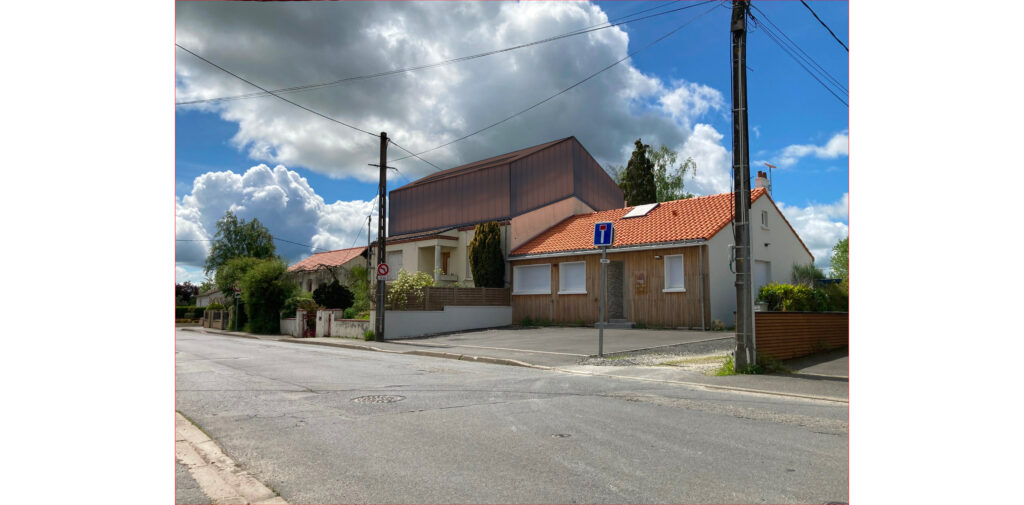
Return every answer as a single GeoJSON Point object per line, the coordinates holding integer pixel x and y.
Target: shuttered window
{"type": "Point", "coordinates": [572, 278]}
{"type": "Point", "coordinates": [532, 280]}
{"type": "Point", "coordinates": [674, 273]}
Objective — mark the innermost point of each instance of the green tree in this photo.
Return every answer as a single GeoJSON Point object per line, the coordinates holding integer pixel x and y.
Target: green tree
{"type": "Point", "coordinates": [333, 296]}
{"type": "Point", "coordinates": [669, 175]}
{"type": "Point", "coordinates": [265, 287]}
{"type": "Point", "coordinates": [485, 258]}
{"type": "Point", "coordinates": [841, 260]}
{"type": "Point", "coordinates": [637, 180]}
{"type": "Point", "coordinates": [237, 238]}
{"type": "Point", "coordinates": [359, 283]}
{"type": "Point", "coordinates": [805, 275]}
{"type": "Point", "coordinates": [231, 272]}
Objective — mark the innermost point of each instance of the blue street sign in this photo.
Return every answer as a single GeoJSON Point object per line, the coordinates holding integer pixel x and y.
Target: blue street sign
{"type": "Point", "coordinates": [603, 234]}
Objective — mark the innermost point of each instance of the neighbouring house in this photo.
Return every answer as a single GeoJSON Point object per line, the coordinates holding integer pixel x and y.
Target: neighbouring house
{"type": "Point", "coordinates": [206, 298]}
{"type": "Point", "coordinates": [321, 268]}
{"type": "Point", "coordinates": [670, 263]}
{"type": "Point", "coordinates": [432, 220]}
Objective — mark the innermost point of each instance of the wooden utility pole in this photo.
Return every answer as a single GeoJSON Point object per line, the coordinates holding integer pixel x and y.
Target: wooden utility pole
{"type": "Point", "coordinates": [378, 329]}
{"type": "Point", "coordinates": [746, 353]}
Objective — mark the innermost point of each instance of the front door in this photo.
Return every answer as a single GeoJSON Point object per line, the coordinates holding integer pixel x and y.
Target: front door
{"type": "Point", "coordinates": [616, 284]}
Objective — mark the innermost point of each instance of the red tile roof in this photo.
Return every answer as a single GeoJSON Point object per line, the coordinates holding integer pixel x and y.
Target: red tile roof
{"type": "Point", "coordinates": [329, 258]}
{"type": "Point", "coordinates": [675, 221]}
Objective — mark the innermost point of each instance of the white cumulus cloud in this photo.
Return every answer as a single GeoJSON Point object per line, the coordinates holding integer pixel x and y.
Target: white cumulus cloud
{"type": "Point", "coordinates": [280, 199]}
{"type": "Point", "coordinates": [820, 226]}
{"type": "Point", "coordinates": [838, 145]}
{"type": "Point", "coordinates": [286, 44]}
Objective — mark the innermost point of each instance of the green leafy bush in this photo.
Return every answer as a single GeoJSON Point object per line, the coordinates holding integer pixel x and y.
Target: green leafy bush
{"type": "Point", "coordinates": [196, 313]}
{"type": "Point", "coordinates": [333, 296]}
{"type": "Point", "coordinates": [302, 300]}
{"type": "Point", "coordinates": [407, 284]}
{"type": "Point", "coordinates": [485, 258]}
{"type": "Point", "coordinates": [181, 310]}
{"type": "Point", "coordinates": [215, 306]}
{"type": "Point", "coordinates": [790, 298]}
{"type": "Point", "coordinates": [265, 288]}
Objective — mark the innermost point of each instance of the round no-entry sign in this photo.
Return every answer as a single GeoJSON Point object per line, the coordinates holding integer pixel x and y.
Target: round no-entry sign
{"type": "Point", "coordinates": [382, 269]}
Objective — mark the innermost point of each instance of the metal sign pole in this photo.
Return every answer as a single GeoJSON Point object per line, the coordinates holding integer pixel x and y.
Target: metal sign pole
{"type": "Point", "coordinates": [604, 286]}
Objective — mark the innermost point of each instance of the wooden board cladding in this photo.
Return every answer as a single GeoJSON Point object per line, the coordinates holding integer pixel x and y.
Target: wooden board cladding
{"type": "Point", "coordinates": [653, 308]}
{"type": "Point", "coordinates": [592, 184]}
{"type": "Point", "coordinates": [437, 298]}
{"type": "Point", "coordinates": [785, 335]}
{"type": "Point", "coordinates": [473, 197]}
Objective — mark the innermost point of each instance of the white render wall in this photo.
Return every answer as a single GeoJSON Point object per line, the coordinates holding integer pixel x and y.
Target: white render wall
{"type": "Point", "coordinates": [416, 323]}
{"type": "Point", "coordinates": [783, 251]}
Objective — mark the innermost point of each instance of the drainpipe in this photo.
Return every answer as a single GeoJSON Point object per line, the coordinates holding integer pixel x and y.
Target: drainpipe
{"type": "Point", "coordinates": [700, 291]}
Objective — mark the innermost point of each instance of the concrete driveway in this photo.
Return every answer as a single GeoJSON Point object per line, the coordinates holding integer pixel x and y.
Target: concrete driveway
{"type": "Point", "coordinates": [554, 346]}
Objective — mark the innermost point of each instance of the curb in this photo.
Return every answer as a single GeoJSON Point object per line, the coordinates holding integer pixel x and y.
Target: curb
{"type": "Point", "coordinates": [218, 476]}
{"type": "Point", "coordinates": [512, 362]}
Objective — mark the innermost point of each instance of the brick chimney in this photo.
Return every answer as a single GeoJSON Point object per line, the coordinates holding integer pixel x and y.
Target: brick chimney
{"type": "Point", "coordinates": [762, 181]}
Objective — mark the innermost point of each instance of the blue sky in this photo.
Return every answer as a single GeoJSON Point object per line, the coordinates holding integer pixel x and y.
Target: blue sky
{"type": "Point", "coordinates": [676, 92]}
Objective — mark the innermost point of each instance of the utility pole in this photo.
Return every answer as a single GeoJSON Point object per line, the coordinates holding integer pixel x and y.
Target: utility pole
{"type": "Point", "coordinates": [746, 353]}
{"type": "Point", "coordinates": [378, 329]}
{"type": "Point", "coordinates": [368, 252]}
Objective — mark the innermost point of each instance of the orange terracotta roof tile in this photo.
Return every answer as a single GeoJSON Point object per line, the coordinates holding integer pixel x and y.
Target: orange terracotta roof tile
{"type": "Point", "coordinates": [329, 258]}
{"type": "Point", "coordinates": [676, 221]}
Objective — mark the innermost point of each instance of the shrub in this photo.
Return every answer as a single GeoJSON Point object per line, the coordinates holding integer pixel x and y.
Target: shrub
{"type": "Point", "coordinates": [181, 310]}
{"type": "Point", "coordinates": [215, 306]}
{"type": "Point", "coordinates": [302, 300]}
{"type": "Point", "coordinates": [485, 258]}
{"type": "Point", "coordinates": [196, 313]}
{"type": "Point", "coordinates": [526, 322]}
{"type": "Point", "coordinates": [790, 298]}
{"type": "Point", "coordinates": [407, 284]}
{"type": "Point", "coordinates": [368, 335]}
{"type": "Point", "coordinates": [350, 313]}
{"type": "Point", "coordinates": [265, 288]}
{"type": "Point", "coordinates": [333, 296]}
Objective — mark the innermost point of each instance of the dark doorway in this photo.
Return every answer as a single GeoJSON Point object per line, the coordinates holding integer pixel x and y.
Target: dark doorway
{"type": "Point", "coordinates": [616, 284]}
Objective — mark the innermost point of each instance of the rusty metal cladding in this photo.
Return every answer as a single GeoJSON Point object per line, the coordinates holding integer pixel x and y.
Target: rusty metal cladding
{"type": "Point", "coordinates": [502, 187]}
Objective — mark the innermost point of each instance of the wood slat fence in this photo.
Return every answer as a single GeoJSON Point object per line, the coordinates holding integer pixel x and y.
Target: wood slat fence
{"type": "Point", "coordinates": [785, 335]}
{"type": "Point", "coordinates": [435, 298]}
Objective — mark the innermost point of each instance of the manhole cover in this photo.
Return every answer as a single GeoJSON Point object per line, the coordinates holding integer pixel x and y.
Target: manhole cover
{"type": "Point", "coordinates": [378, 399]}
{"type": "Point", "coordinates": [561, 435]}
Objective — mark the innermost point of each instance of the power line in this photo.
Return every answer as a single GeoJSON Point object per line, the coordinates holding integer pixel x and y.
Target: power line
{"type": "Point", "coordinates": [789, 51]}
{"type": "Point", "coordinates": [591, 76]}
{"type": "Point", "coordinates": [826, 26]}
{"type": "Point", "coordinates": [295, 89]}
{"type": "Point", "coordinates": [806, 57]}
{"type": "Point", "coordinates": [273, 93]}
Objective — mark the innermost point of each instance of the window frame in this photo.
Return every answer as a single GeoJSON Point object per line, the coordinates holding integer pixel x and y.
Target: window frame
{"type": "Point", "coordinates": [516, 277]}
{"type": "Point", "coordinates": [682, 271]}
{"type": "Point", "coordinates": [561, 285]}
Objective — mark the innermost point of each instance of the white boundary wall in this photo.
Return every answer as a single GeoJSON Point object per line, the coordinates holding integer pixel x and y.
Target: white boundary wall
{"type": "Point", "coordinates": [416, 323]}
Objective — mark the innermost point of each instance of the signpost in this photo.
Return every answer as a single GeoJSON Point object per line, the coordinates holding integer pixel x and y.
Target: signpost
{"type": "Point", "coordinates": [604, 236]}
{"type": "Point", "coordinates": [382, 271]}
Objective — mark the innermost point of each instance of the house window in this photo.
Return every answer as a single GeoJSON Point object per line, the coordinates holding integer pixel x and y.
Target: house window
{"type": "Point", "coordinates": [764, 219]}
{"type": "Point", "coordinates": [309, 285]}
{"type": "Point", "coordinates": [572, 278]}
{"type": "Point", "coordinates": [674, 274]}
{"type": "Point", "coordinates": [394, 264]}
{"type": "Point", "coordinates": [532, 280]}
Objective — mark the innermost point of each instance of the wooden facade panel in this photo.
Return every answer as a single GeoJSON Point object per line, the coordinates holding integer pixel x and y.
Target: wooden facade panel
{"type": "Point", "coordinates": [470, 198]}
{"type": "Point", "coordinates": [785, 335]}
{"type": "Point", "coordinates": [591, 184]}
{"type": "Point", "coordinates": [541, 178]}
{"type": "Point", "coordinates": [642, 303]}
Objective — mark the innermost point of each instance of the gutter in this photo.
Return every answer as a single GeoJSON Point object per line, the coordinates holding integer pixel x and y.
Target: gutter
{"type": "Point", "coordinates": [580, 252]}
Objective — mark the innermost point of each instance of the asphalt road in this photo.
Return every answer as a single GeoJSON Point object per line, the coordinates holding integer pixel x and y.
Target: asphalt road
{"type": "Point", "coordinates": [320, 425]}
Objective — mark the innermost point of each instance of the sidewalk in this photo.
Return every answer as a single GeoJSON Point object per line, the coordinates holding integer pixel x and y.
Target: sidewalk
{"type": "Point", "coordinates": [821, 377]}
